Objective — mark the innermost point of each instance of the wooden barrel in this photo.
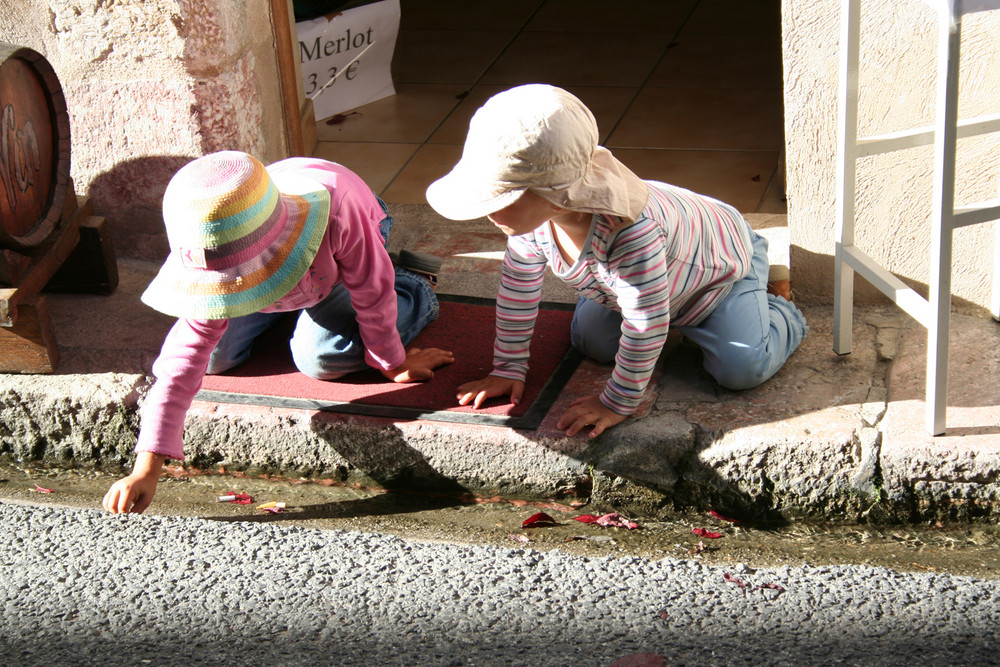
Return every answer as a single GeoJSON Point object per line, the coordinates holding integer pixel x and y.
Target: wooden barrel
{"type": "Point", "coordinates": [34, 148]}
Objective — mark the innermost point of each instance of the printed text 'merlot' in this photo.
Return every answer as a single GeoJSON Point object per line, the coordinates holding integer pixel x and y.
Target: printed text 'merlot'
{"type": "Point", "coordinates": [326, 46]}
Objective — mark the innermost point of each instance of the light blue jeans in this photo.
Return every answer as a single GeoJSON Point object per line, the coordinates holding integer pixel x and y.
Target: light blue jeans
{"type": "Point", "coordinates": [326, 343]}
{"type": "Point", "coordinates": [745, 340]}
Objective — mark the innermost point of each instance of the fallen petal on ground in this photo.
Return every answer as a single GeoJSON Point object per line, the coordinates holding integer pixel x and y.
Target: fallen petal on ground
{"type": "Point", "coordinates": [701, 532]}
{"type": "Point", "coordinates": [616, 521]}
{"type": "Point", "coordinates": [539, 520]}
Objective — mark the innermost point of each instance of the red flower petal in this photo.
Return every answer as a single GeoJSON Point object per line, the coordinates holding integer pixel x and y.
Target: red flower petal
{"type": "Point", "coordinates": [720, 517]}
{"type": "Point", "coordinates": [701, 532]}
{"type": "Point", "coordinates": [539, 520]}
{"type": "Point", "coordinates": [585, 518]}
{"type": "Point", "coordinates": [616, 521]}
{"type": "Point", "coordinates": [40, 489]}
{"type": "Point", "coordinates": [730, 579]}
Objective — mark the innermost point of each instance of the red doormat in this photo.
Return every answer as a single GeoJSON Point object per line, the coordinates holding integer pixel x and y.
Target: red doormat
{"type": "Point", "coordinates": [465, 326]}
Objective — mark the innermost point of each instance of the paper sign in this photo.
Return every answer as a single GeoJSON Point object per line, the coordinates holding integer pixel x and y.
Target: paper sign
{"type": "Point", "coordinates": [346, 58]}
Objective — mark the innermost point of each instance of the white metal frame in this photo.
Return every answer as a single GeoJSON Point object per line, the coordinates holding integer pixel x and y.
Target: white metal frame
{"type": "Point", "coordinates": [934, 312]}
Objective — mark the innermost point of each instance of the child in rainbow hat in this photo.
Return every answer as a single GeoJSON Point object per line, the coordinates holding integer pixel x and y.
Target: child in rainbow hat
{"type": "Point", "coordinates": [249, 243]}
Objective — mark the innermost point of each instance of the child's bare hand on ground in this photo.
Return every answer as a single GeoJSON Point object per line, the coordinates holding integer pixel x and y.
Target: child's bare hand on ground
{"type": "Point", "coordinates": [478, 391]}
{"type": "Point", "coordinates": [586, 412]}
{"type": "Point", "coordinates": [130, 494]}
{"type": "Point", "coordinates": [134, 493]}
{"type": "Point", "coordinates": [420, 364]}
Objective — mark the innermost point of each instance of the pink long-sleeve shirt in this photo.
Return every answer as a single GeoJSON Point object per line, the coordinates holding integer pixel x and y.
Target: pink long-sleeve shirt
{"type": "Point", "coordinates": [352, 252]}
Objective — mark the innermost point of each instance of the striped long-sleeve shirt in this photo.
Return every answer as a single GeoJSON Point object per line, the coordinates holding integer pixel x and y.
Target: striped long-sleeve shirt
{"type": "Point", "coordinates": [673, 265]}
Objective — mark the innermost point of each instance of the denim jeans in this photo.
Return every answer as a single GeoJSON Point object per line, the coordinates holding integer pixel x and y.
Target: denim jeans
{"type": "Point", "coordinates": [745, 340]}
{"type": "Point", "coordinates": [327, 343]}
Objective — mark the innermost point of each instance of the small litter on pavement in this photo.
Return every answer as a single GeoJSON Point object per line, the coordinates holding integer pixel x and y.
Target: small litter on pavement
{"type": "Point", "coordinates": [272, 507]}
{"type": "Point", "coordinates": [238, 498]}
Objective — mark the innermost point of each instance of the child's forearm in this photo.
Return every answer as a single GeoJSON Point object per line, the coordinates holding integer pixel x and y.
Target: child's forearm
{"type": "Point", "coordinates": [148, 464]}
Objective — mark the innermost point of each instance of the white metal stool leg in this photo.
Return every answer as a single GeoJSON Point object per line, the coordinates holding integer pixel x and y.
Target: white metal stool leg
{"type": "Point", "coordinates": [847, 140]}
{"type": "Point", "coordinates": [935, 311]}
{"type": "Point", "coordinates": [995, 309]}
{"type": "Point", "coordinates": [942, 224]}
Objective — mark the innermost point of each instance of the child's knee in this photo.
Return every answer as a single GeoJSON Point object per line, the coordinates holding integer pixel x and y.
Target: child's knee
{"type": "Point", "coordinates": [596, 331]}
{"type": "Point", "coordinates": [216, 366]}
{"type": "Point", "coordinates": [224, 358]}
{"type": "Point", "coordinates": [600, 354]}
{"type": "Point", "coordinates": [742, 370]}
{"type": "Point", "coordinates": [307, 362]}
{"type": "Point", "coordinates": [318, 364]}
{"type": "Point", "coordinates": [320, 368]}
{"type": "Point", "coordinates": [600, 348]}
{"type": "Point", "coordinates": [739, 380]}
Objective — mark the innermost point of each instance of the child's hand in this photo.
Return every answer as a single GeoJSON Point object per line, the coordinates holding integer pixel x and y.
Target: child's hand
{"type": "Point", "coordinates": [488, 387]}
{"type": "Point", "coordinates": [135, 492]}
{"type": "Point", "coordinates": [586, 411]}
{"type": "Point", "coordinates": [419, 364]}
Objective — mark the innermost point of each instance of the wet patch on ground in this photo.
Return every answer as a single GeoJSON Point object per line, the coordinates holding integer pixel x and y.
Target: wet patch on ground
{"type": "Point", "coordinates": [967, 549]}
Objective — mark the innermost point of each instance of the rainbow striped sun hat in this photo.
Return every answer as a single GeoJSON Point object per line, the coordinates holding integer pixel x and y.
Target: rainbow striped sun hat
{"type": "Point", "coordinates": [240, 238]}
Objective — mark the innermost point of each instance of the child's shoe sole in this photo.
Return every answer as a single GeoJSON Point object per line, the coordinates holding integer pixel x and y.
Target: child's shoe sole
{"type": "Point", "coordinates": [423, 263]}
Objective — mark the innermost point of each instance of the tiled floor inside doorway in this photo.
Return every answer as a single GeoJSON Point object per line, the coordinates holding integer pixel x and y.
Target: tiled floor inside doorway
{"type": "Point", "coordinates": [684, 91]}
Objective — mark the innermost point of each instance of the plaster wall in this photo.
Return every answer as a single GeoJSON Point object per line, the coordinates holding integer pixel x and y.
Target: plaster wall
{"type": "Point", "coordinates": [150, 85]}
{"type": "Point", "coordinates": [897, 79]}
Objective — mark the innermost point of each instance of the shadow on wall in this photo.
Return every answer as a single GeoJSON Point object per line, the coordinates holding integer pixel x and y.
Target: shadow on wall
{"type": "Point", "coordinates": [130, 196]}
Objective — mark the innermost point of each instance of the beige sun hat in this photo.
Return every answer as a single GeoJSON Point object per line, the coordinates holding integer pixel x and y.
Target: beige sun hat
{"type": "Point", "coordinates": [543, 138]}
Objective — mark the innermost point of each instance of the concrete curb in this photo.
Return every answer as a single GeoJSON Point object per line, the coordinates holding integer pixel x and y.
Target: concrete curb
{"type": "Point", "coordinates": [829, 436]}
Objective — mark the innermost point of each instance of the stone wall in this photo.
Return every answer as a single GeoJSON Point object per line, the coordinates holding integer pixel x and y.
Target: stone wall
{"type": "Point", "coordinates": [897, 81]}
{"type": "Point", "coordinates": [150, 85]}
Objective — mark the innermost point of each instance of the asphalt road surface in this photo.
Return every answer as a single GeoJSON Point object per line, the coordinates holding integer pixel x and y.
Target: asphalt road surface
{"type": "Point", "coordinates": [80, 587]}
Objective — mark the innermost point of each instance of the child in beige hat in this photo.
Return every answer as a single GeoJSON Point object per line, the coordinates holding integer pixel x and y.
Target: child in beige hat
{"type": "Point", "coordinates": [642, 255]}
